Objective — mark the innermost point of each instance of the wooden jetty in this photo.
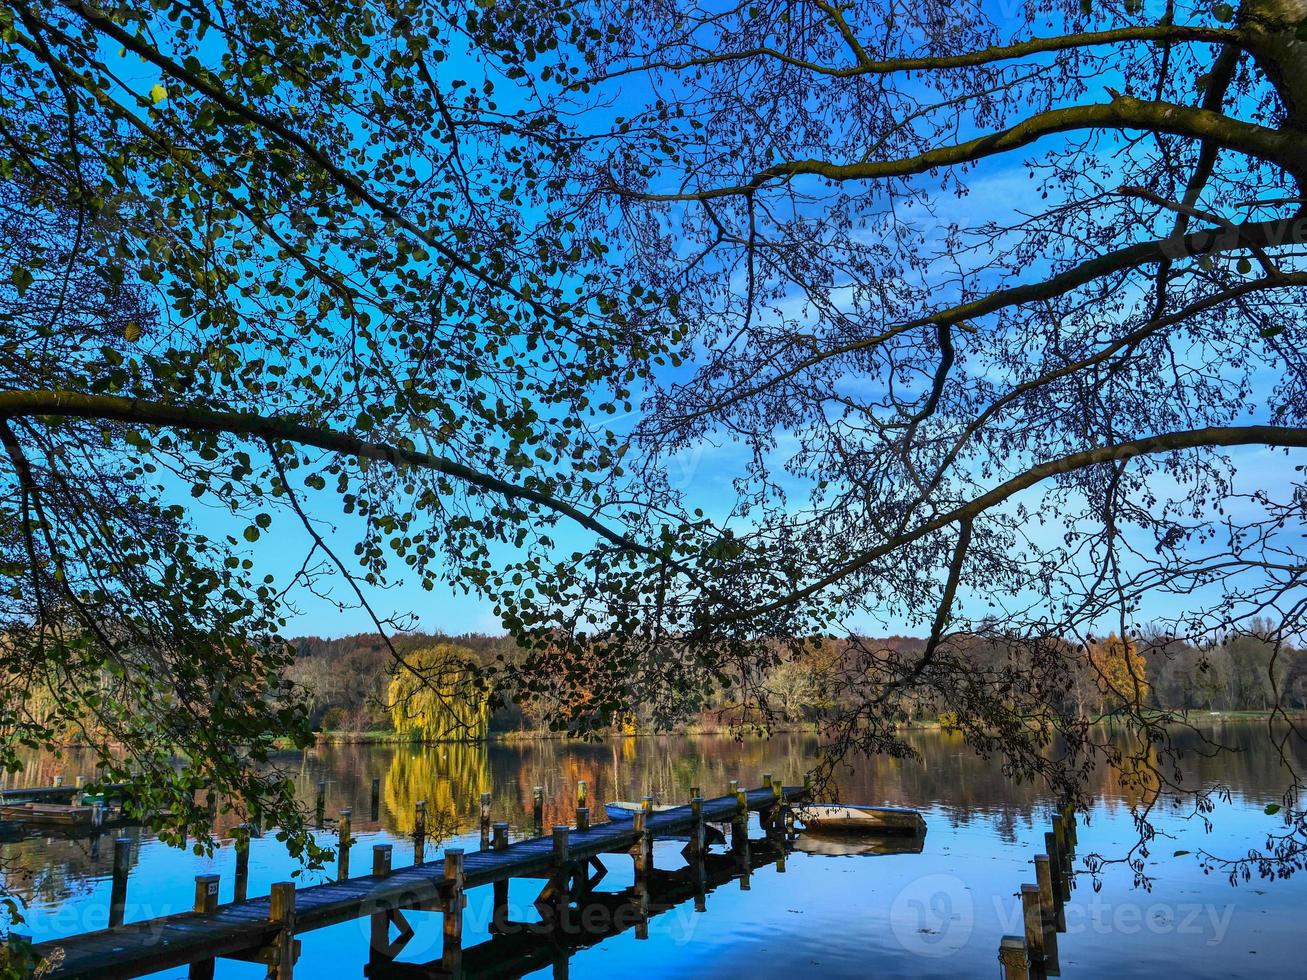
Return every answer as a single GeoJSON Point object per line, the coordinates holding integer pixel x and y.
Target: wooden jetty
{"type": "Point", "coordinates": [58, 793]}
{"type": "Point", "coordinates": [263, 929]}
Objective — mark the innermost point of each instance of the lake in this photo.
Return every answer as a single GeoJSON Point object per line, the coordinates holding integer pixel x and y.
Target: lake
{"type": "Point", "coordinates": [937, 913]}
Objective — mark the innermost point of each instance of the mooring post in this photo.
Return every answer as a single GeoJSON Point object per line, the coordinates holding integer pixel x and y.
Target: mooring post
{"type": "Point", "coordinates": [320, 805]}
{"type": "Point", "coordinates": [1072, 836]}
{"type": "Point", "coordinates": [122, 860]}
{"type": "Point", "coordinates": [281, 910]}
{"type": "Point", "coordinates": [1063, 848]}
{"type": "Point", "coordinates": [206, 903]}
{"type": "Point", "coordinates": [1034, 922]}
{"type": "Point", "coordinates": [485, 820]}
{"type": "Point", "coordinates": [58, 780]}
{"type": "Point", "coordinates": [379, 922]}
{"type": "Point", "coordinates": [1012, 956]}
{"type": "Point", "coordinates": [538, 809]}
{"type": "Point", "coordinates": [376, 798]}
{"type": "Point", "coordinates": [583, 818]}
{"type": "Point", "coordinates": [501, 835]}
{"type": "Point", "coordinates": [642, 853]}
{"type": "Point", "coordinates": [343, 841]}
{"type": "Point", "coordinates": [740, 822]}
{"type": "Point", "coordinates": [241, 882]}
{"type": "Point", "coordinates": [696, 832]}
{"type": "Point", "coordinates": [1044, 877]}
{"type": "Point", "coordinates": [451, 956]}
{"type": "Point", "coordinates": [733, 787]}
{"type": "Point", "coordinates": [419, 831]}
{"type": "Point", "coordinates": [1061, 893]}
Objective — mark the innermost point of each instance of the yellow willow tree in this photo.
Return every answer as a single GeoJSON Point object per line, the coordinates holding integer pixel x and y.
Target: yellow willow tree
{"type": "Point", "coordinates": [434, 695]}
{"type": "Point", "coordinates": [1120, 673]}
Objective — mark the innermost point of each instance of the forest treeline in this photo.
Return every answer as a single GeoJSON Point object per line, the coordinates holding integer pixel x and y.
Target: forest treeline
{"type": "Point", "coordinates": [352, 685]}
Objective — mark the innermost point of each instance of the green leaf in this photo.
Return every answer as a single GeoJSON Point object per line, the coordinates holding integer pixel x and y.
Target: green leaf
{"type": "Point", "coordinates": [1272, 809]}
{"type": "Point", "coordinates": [1180, 853]}
{"type": "Point", "coordinates": [21, 279]}
{"type": "Point", "coordinates": [1223, 12]}
{"type": "Point", "coordinates": [1244, 266]}
{"type": "Point", "coordinates": [251, 534]}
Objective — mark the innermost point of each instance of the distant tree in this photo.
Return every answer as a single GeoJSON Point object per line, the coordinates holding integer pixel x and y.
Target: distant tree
{"type": "Point", "coordinates": [1120, 674]}
{"type": "Point", "coordinates": [430, 698]}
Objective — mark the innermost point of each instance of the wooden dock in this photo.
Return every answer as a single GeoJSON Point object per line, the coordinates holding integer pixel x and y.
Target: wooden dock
{"type": "Point", "coordinates": [263, 929]}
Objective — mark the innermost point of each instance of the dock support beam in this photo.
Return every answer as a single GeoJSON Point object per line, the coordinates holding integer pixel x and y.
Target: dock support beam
{"type": "Point", "coordinates": [242, 878]}
{"type": "Point", "coordinates": [122, 862]}
{"type": "Point", "coordinates": [451, 956]}
{"type": "Point", "coordinates": [206, 903]}
{"type": "Point", "coordinates": [343, 842]}
{"type": "Point", "coordinates": [1012, 956]}
{"type": "Point", "coordinates": [281, 910]}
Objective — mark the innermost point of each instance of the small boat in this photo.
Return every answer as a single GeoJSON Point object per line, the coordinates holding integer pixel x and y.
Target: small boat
{"type": "Point", "coordinates": [856, 845]}
{"type": "Point", "coordinates": [860, 819]}
{"type": "Point", "coordinates": [48, 813]}
{"type": "Point", "coordinates": [622, 810]}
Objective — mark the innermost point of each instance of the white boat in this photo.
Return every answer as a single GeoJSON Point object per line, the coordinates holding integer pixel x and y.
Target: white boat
{"type": "Point", "coordinates": [860, 819]}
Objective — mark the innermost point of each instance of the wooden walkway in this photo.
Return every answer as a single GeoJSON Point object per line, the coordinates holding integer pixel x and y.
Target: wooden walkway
{"type": "Point", "coordinates": [260, 929]}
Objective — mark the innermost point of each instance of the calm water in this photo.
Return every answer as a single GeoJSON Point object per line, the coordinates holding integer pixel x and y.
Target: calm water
{"type": "Point", "coordinates": [939, 913]}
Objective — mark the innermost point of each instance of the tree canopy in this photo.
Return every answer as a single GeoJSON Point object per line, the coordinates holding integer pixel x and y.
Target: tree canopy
{"type": "Point", "coordinates": [990, 305]}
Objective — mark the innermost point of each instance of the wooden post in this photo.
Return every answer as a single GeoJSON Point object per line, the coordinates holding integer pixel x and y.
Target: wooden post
{"type": "Point", "coordinates": [59, 780]}
{"type": "Point", "coordinates": [538, 809]}
{"type": "Point", "coordinates": [380, 921]}
{"type": "Point", "coordinates": [1072, 837]}
{"type": "Point", "coordinates": [734, 786]}
{"type": "Point", "coordinates": [281, 910]}
{"type": "Point", "coordinates": [1034, 922]}
{"type": "Point", "coordinates": [344, 840]}
{"type": "Point", "coordinates": [452, 951]}
{"type": "Point", "coordinates": [1059, 833]}
{"type": "Point", "coordinates": [740, 823]}
{"type": "Point", "coordinates": [777, 789]}
{"type": "Point", "coordinates": [501, 835]}
{"type": "Point", "coordinates": [420, 832]}
{"type": "Point", "coordinates": [1060, 892]}
{"type": "Point", "coordinates": [485, 818]}
{"type": "Point", "coordinates": [1012, 955]}
{"type": "Point", "coordinates": [696, 832]}
{"type": "Point", "coordinates": [583, 818]}
{"type": "Point", "coordinates": [581, 793]}
{"type": "Point", "coordinates": [1044, 876]}
{"type": "Point", "coordinates": [642, 853]}
{"type": "Point", "coordinates": [242, 879]}
{"type": "Point", "coordinates": [646, 804]}
{"type": "Point", "coordinates": [206, 903]}
{"type": "Point", "coordinates": [376, 798]}
{"type": "Point", "coordinates": [320, 806]}
{"type": "Point", "coordinates": [561, 844]}
{"type": "Point", "coordinates": [694, 791]}
{"type": "Point", "coordinates": [122, 860]}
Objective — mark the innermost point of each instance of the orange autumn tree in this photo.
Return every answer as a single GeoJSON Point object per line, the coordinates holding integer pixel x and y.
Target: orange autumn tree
{"type": "Point", "coordinates": [1120, 674]}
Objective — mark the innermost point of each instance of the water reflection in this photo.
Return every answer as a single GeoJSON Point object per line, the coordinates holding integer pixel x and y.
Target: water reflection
{"type": "Point", "coordinates": [829, 909]}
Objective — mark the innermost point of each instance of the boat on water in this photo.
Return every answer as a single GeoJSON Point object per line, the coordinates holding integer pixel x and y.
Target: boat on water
{"type": "Point", "coordinates": [624, 810]}
{"type": "Point", "coordinates": [48, 813]}
{"type": "Point", "coordinates": [841, 818]}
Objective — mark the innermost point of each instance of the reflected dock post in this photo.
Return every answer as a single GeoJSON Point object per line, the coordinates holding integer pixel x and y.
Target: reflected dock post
{"type": "Point", "coordinates": [122, 859]}
{"type": "Point", "coordinates": [281, 910]}
{"type": "Point", "coordinates": [344, 840]}
{"type": "Point", "coordinates": [642, 853]}
{"type": "Point", "coordinates": [419, 831]}
{"type": "Point", "coordinates": [206, 903]}
{"type": "Point", "coordinates": [320, 805]}
{"type": "Point", "coordinates": [485, 820]}
{"type": "Point", "coordinates": [376, 798]}
{"type": "Point", "coordinates": [538, 809]}
{"type": "Point", "coordinates": [451, 956]}
{"type": "Point", "coordinates": [1012, 956]}
{"type": "Point", "coordinates": [241, 882]}
{"type": "Point", "coordinates": [1033, 919]}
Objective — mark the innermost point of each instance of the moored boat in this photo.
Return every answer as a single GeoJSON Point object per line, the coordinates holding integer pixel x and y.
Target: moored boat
{"type": "Point", "coordinates": [47, 813]}
{"type": "Point", "coordinates": [860, 819]}
{"type": "Point", "coordinates": [624, 810]}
